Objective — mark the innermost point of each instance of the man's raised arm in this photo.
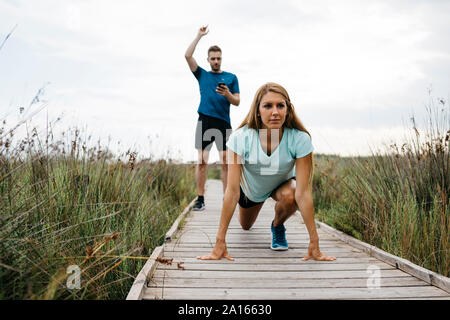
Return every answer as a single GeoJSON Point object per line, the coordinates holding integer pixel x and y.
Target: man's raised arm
{"type": "Point", "coordinates": [190, 50]}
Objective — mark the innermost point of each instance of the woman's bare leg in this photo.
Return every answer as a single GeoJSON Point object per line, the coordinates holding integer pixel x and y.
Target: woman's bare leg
{"type": "Point", "coordinates": [247, 216]}
{"type": "Point", "coordinates": [285, 202]}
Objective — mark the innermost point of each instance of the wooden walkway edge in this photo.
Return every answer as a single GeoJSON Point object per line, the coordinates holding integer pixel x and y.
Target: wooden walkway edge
{"type": "Point", "coordinates": [361, 271]}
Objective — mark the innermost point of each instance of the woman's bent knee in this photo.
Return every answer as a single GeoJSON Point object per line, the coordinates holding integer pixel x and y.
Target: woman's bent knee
{"type": "Point", "coordinates": [247, 216]}
{"type": "Point", "coordinates": [288, 197]}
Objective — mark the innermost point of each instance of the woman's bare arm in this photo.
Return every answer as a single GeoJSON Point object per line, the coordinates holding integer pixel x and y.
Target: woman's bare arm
{"type": "Point", "coordinates": [230, 201]}
{"type": "Point", "coordinates": [303, 197]}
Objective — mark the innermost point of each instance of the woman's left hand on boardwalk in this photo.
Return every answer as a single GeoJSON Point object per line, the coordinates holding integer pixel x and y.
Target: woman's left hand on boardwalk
{"type": "Point", "coordinates": [314, 252]}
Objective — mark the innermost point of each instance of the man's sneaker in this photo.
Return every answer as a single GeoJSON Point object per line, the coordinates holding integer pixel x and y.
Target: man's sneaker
{"type": "Point", "coordinates": [199, 205]}
{"type": "Point", "coordinates": [279, 242]}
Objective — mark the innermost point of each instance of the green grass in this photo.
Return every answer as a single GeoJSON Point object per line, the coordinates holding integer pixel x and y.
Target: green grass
{"type": "Point", "coordinates": [80, 206]}
{"type": "Point", "coordinates": [398, 198]}
{"type": "Point", "coordinates": [214, 171]}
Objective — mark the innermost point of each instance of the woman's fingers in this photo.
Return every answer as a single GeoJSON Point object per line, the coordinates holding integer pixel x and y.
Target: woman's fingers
{"type": "Point", "coordinates": [327, 258]}
{"type": "Point", "coordinates": [228, 257]}
{"type": "Point", "coordinates": [323, 257]}
{"type": "Point", "coordinates": [208, 257]}
{"type": "Point", "coordinates": [215, 257]}
{"type": "Point", "coordinates": [318, 257]}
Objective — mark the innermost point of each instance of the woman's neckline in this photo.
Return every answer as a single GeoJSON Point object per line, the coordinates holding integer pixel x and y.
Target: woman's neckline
{"type": "Point", "coordinates": [283, 133]}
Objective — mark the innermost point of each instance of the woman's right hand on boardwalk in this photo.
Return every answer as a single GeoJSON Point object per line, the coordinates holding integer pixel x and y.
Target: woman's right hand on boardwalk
{"type": "Point", "coordinates": [220, 251]}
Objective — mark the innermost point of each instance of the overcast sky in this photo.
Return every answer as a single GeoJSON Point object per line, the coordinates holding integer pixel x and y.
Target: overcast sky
{"type": "Point", "coordinates": [355, 70]}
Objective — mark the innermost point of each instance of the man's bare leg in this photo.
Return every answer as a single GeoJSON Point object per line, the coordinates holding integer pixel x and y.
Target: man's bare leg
{"type": "Point", "coordinates": [224, 176]}
{"type": "Point", "coordinates": [200, 171]}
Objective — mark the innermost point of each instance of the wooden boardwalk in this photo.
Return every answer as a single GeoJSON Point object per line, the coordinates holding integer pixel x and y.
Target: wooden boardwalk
{"type": "Point", "coordinates": [260, 273]}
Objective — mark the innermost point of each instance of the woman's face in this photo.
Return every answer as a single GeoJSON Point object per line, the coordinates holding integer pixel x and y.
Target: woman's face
{"type": "Point", "coordinates": [273, 110]}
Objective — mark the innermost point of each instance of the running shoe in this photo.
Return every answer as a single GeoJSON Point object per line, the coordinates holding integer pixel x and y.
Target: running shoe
{"type": "Point", "coordinates": [199, 205]}
{"type": "Point", "coordinates": [279, 242]}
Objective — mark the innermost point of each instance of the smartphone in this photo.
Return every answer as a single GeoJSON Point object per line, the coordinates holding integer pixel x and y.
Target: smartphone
{"type": "Point", "coordinates": [221, 84]}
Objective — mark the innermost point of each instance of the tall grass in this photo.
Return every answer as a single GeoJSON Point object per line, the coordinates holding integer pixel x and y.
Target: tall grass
{"type": "Point", "coordinates": [63, 202]}
{"type": "Point", "coordinates": [398, 198]}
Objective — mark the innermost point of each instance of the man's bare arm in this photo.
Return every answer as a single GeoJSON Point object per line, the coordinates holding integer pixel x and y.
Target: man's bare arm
{"type": "Point", "coordinates": [233, 98]}
{"type": "Point", "coordinates": [190, 50]}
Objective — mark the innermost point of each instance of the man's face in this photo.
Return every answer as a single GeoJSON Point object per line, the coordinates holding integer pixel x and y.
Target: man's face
{"type": "Point", "coordinates": [215, 60]}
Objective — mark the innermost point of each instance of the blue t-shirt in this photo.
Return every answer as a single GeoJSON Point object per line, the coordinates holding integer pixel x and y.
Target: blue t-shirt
{"type": "Point", "coordinates": [211, 103]}
{"type": "Point", "coordinates": [261, 173]}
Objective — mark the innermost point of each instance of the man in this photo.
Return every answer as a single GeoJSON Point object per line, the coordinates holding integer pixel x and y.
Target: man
{"type": "Point", "coordinates": [218, 89]}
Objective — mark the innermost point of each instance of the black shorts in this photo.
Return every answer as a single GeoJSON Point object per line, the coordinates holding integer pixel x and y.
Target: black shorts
{"type": "Point", "coordinates": [245, 202]}
{"type": "Point", "coordinates": [209, 130]}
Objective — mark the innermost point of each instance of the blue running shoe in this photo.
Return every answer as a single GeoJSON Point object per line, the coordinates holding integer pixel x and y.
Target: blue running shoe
{"type": "Point", "coordinates": [279, 242]}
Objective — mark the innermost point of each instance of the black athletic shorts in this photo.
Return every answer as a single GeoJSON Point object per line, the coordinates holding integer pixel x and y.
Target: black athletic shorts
{"type": "Point", "coordinates": [209, 130]}
{"type": "Point", "coordinates": [245, 202]}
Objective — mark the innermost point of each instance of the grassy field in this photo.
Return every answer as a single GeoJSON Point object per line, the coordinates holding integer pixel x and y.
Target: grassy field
{"type": "Point", "coordinates": [67, 206]}
{"type": "Point", "coordinates": [398, 198]}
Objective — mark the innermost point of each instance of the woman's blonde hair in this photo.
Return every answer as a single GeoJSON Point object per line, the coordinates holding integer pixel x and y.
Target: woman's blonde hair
{"type": "Point", "coordinates": [253, 121]}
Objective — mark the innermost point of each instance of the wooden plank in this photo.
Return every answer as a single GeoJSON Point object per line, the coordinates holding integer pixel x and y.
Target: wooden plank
{"type": "Point", "coordinates": [238, 229]}
{"type": "Point", "coordinates": [255, 245]}
{"type": "Point", "coordinates": [137, 289]}
{"type": "Point", "coordinates": [258, 253]}
{"type": "Point", "coordinates": [236, 224]}
{"type": "Point", "coordinates": [213, 222]}
{"type": "Point", "coordinates": [292, 275]}
{"type": "Point", "coordinates": [232, 231]}
{"type": "Point", "coordinates": [262, 233]}
{"type": "Point", "coordinates": [331, 251]}
{"type": "Point", "coordinates": [278, 267]}
{"type": "Point", "coordinates": [292, 293]}
{"type": "Point", "coordinates": [247, 237]}
{"type": "Point", "coordinates": [265, 218]}
{"type": "Point", "coordinates": [199, 235]}
{"type": "Point", "coordinates": [282, 261]}
{"type": "Point", "coordinates": [281, 283]}
{"type": "Point", "coordinates": [250, 251]}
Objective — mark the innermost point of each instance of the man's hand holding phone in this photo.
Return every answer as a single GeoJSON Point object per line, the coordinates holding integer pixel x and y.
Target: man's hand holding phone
{"type": "Point", "coordinates": [222, 89]}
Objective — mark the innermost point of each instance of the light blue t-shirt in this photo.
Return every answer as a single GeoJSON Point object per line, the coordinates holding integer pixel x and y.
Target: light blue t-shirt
{"type": "Point", "coordinates": [211, 103]}
{"type": "Point", "coordinates": [263, 173]}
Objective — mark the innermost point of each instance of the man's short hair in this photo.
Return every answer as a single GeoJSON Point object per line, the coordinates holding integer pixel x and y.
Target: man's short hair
{"type": "Point", "coordinates": [214, 49]}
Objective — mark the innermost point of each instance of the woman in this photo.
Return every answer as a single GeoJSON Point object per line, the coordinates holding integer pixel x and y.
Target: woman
{"type": "Point", "coordinates": [269, 155]}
